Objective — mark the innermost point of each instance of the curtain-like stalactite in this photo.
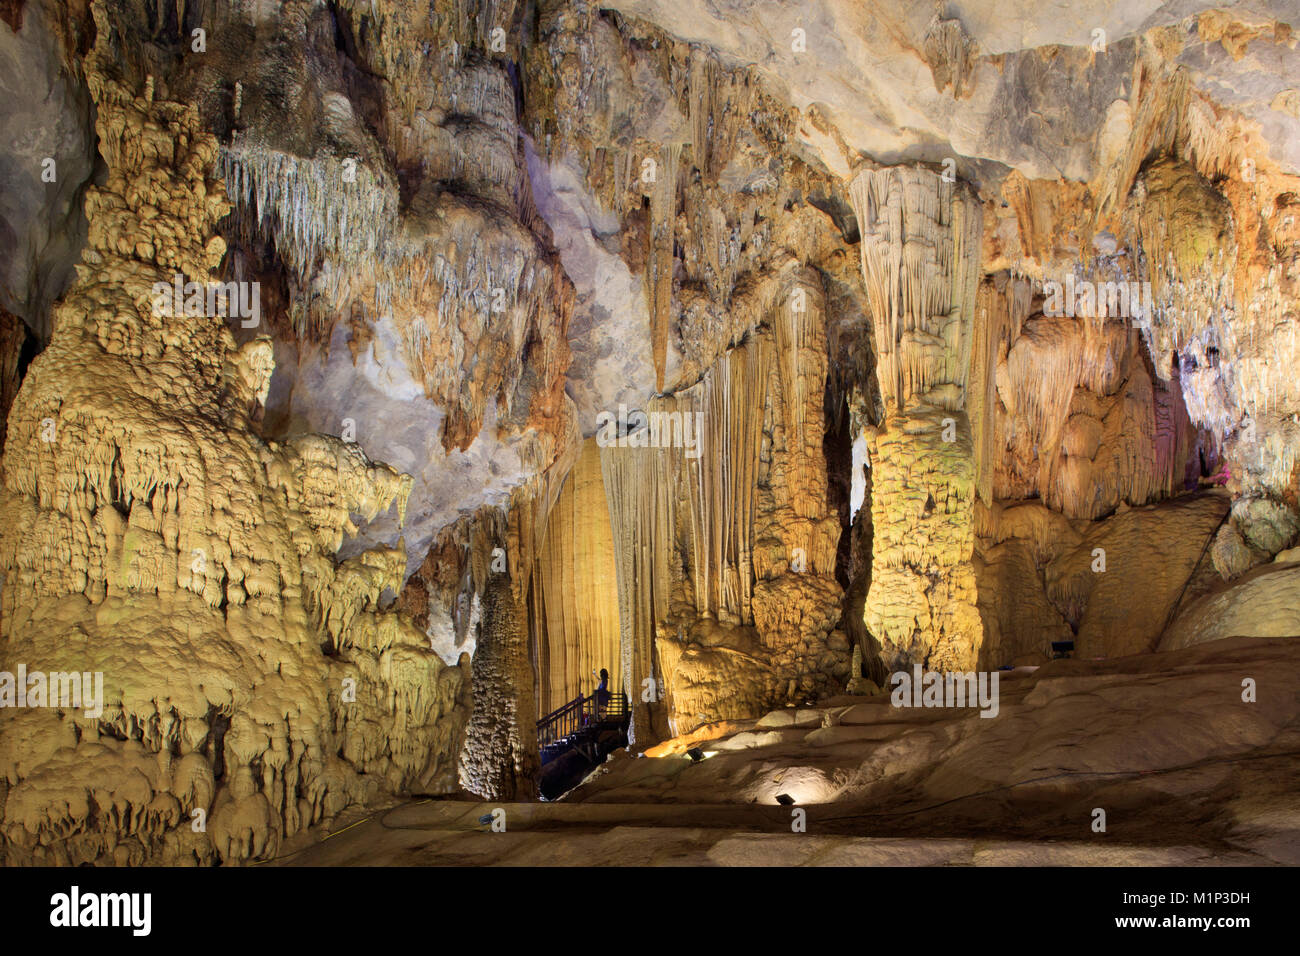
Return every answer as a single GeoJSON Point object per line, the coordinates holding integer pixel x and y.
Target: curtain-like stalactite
{"type": "Point", "coordinates": [726, 555]}
{"type": "Point", "coordinates": [574, 598]}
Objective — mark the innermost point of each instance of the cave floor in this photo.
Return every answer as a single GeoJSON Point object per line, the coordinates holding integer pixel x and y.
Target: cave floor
{"type": "Point", "coordinates": [442, 833]}
{"type": "Point", "coordinates": [1186, 770]}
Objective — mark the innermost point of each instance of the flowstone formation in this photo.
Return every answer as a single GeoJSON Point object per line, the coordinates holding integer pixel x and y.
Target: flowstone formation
{"type": "Point", "coordinates": [251, 685]}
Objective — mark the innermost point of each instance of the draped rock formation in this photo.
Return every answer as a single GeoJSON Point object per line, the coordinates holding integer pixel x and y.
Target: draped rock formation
{"type": "Point", "coordinates": [736, 606]}
{"type": "Point", "coordinates": [574, 598]}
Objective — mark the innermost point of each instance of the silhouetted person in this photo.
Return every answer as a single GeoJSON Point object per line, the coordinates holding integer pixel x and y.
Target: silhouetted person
{"type": "Point", "coordinates": [602, 694]}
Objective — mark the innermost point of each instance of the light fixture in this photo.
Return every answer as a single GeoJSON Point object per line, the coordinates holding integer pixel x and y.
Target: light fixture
{"type": "Point", "coordinates": [696, 754]}
{"type": "Point", "coordinates": [785, 799]}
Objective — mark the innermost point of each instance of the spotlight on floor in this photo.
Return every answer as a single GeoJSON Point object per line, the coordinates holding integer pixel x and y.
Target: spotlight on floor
{"type": "Point", "coordinates": [785, 799]}
{"type": "Point", "coordinates": [696, 754]}
{"type": "Point", "coordinates": [486, 819]}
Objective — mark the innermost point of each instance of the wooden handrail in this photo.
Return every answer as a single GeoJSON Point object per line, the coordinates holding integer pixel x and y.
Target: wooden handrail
{"type": "Point", "coordinates": [579, 713]}
{"type": "Point", "coordinates": [559, 710]}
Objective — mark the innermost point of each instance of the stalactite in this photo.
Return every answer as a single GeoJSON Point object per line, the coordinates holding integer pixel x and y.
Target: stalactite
{"type": "Point", "coordinates": [721, 489]}
{"type": "Point", "coordinates": [951, 53]}
{"type": "Point", "coordinates": [1003, 306]}
{"type": "Point", "coordinates": [726, 556]}
{"type": "Point", "coordinates": [920, 255]}
{"type": "Point", "coordinates": [636, 489]}
{"type": "Point", "coordinates": [659, 284]}
{"type": "Point", "coordinates": [319, 208]}
{"type": "Point", "coordinates": [414, 205]}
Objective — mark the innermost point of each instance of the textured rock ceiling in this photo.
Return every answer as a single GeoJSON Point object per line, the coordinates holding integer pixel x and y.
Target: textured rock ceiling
{"type": "Point", "coordinates": [1035, 95]}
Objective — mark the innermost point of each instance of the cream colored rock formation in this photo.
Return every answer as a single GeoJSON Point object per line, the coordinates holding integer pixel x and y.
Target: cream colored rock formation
{"type": "Point", "coordinates": [251, 686]}
{"type": "Point", "coordinates": [809, 261]}
{"type": "Point", "coordinates": [920, 256]}
{"type": "Point", "coordinates": [1264, 604]}
{"type": "Point", "coordinates": [574, 601]}
{"type": "Point", "coordinates": [746, 614]}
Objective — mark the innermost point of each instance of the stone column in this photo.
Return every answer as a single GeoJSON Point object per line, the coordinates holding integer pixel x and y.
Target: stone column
{"type": "Point", "coordinates": [920, 263]}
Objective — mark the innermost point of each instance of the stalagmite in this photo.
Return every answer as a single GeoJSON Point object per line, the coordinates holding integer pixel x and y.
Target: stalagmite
{"type": "Point", "coordinates": [500, 760]}
{"type": "Point", "coordinates": [920, 260]}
